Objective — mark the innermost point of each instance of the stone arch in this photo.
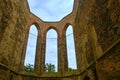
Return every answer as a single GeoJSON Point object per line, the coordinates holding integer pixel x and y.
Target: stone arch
{"type": "Point", "coordinates": [65, 27]}
{"type": "Point", "coordinates": [21, 68]}
{"type": "Point", "coordinates": [51, 27]}
{"type": "Point", "coordinates": [28, 42]}
{"type": "Point", "coordinates": [38, 27]}
{"type": "Point", "coordinates": [36, 24]}
{"type": "Point", "coordinates": [56, 47]}
{"type": "Point", "coordinates": [67, 45]}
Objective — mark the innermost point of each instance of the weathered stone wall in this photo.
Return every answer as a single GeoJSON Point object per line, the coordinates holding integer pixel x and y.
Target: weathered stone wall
{"type": "Point", "coordinates": [3, 73]}
{"type": "Point", "coordinates": [7, 74]}
{"type": "Point", "coordinates": [109, 64]}
{"type": "Point", "coordinates": [13, 21]}
{"type": "Point", "coordinates": [98, 22]}
{"type": "Point", "coordinates": [82, 33]}
{"type": "Point", "coordinates": [106, 19]}
{"type": "Point", "coordinates": [96, 26]}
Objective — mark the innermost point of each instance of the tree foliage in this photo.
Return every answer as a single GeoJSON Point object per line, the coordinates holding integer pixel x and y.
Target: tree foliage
{"type": "Point", "coordinates": [70, 69]}
{"type": "Point", "coordinates": [29, 68]}
{"type": "Point", "coordinates": [49, 67]}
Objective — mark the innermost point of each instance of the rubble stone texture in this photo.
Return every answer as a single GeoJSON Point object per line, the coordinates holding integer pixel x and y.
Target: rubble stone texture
{"type": "Point", "coordinates": [96, 26]}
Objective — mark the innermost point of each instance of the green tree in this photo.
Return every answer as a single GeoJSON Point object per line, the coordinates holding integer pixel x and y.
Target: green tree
{"type": "Point", "coordinates": [29, 68]}
{"type": "Point", "coordinates": [70, 69]}
{"type": "Point", "coordinates": [49, 67]}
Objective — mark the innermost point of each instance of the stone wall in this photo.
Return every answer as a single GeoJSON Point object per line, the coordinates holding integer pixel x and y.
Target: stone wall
{"type": "Point", "coordinates": [96, 25]}
{"type": "Point", "coordinates": [106, 19]}
{"type": "Point", "coordinates": [13, 21]}
{"type": "Point", "coordinates": [82, 33]}
{"type": "Point", "coordinates": [109, 64]}
{"type": "Point", "coordinates": [98, 22]}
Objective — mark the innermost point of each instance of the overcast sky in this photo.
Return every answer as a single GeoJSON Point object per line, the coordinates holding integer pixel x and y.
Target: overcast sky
{"type": "Point", "coordinates": [50, 10]}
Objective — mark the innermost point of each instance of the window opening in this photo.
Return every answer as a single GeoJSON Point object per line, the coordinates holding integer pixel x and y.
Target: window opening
{"type": "Point", "coordinates": [70, 48]}
{"type": "Point", "coordinates": [31, 49]}
{"type": "Point", "coordinates": [51, 51]}
{"type": "Point", "coordinates": [51, 10]}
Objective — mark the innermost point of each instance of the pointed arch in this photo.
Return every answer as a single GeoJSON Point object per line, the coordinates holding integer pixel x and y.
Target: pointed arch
{"type": "Point", "coordinates": [70, 48]}
{"type": "Point", "coordinates": [31, 46]}
{"type": "Point", "coordinates": [51, 48]}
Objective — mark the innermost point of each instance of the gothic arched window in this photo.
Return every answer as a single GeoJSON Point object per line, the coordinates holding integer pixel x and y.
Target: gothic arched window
{"type": "Point", "coordinates": [71, 48]}
{"type": "Point", "coordinates": [51, 49]}
{"type": "Point", "coordinates": [31, 47]}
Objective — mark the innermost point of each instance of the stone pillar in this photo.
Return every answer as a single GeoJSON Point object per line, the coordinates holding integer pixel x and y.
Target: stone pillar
{"type": "Point", "coordinates": [37, 65]}
{"type": "Point", "coordinates": [81, 55]}
{"type": "Point", "coordinates": [62, 55]}
{"type": "Point", "coordinates": [42, 56]}
{"type": "Point", "coordinates": [81, 37]}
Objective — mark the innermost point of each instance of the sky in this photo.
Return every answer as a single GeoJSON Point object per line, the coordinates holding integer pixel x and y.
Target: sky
{"type": "Point", "coordinates": [50, 10]}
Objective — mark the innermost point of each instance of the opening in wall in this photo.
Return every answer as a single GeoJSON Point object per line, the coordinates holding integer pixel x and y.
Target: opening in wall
{"type": "Point", "coordinates": [51, 61]}
{"type": "Point", "coordinates": [51, 10]}
{"type": "Point", "coordinates": [31, 49]}
{"type": "Point", "coordinates": [71, 49]}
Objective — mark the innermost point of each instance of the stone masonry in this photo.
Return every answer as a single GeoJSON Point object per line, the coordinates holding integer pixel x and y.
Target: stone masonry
{"type": "Point", "coordinates": [96, 27]}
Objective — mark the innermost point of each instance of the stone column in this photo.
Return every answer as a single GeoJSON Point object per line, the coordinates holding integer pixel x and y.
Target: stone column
{"type": "Point", "coordinates": [42, 57]}
{"type": "Point", "coordinates": [80, 36]}
{"type": "Point", "coordinates": [62, 55]}
{"type": "Point", "coordinates": [37, 65]}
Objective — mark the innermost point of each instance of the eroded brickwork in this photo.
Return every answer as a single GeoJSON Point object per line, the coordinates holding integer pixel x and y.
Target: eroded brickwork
{"type": "Point", "coordinates": [106, 20]}
{"type": "Point", "coordinates": [96, 26]}
{"type": "Point", "coordinates": [13, 21]}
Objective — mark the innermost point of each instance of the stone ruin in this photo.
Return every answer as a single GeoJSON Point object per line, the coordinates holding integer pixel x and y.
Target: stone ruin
{"type": "Point", "coordinates": [96, 27]}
